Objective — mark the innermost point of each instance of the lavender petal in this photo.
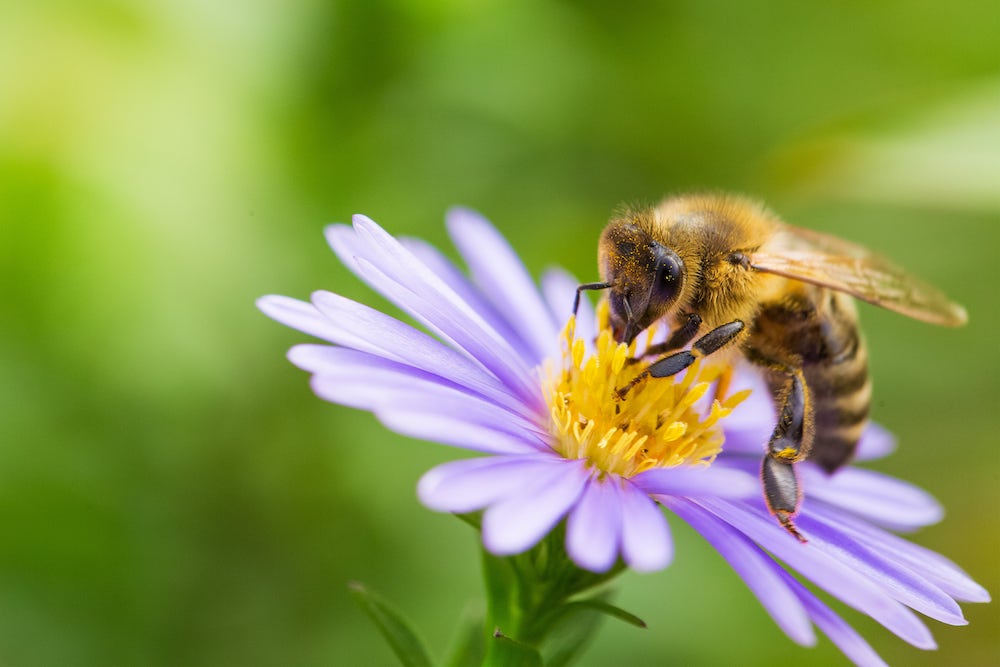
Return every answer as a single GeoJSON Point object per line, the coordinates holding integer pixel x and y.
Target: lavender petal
{"type": "Point", "coordinates": [713, 482]}
{"type": "Point", "coordinates": [879, 498]}
{"type": "Point", "coordinates": [448, 429]}
{"type": "Point", "coordinates": [833, 626]}
{"type": "Point", "coordinates": [464, 330]}
{"type": "Point", "coordinates": [928, 564]}
{"type": "Point", "coordinates": [593, 527]}
{"type": "Point", "coordinates": [501, 276]}
{"type": "Point", "coordinates": [760, 573]}
{"type": "Point", "coordinates": [357, 326]}
{"type": "Point", "coordinates": [298, 315]}
{"type": "Point", "coordinates": [413, 404]}
{"type": "Point", "coordinates": [370, 382]}
{"type": "Point", "coordinates": [646, 542]}
{"type": "Point", "coordinates": [472, 484]}
{"type": "Point", "coordinates": [828, 573]}
{"type": "Point", "coordinates": [749, 426]}
{"type": "Point", "coordinates": [519, 521]}
{"type": "Point", "coordinates": [876, 442]}
{"type": "Point", "coordinates": [396, 273]}
{"type": "Point", "coordinates": [899, 582]}
{"type": "Point", "coordinates": [436, 261]}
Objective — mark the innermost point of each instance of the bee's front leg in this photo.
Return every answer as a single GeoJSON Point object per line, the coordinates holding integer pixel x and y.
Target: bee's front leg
{"type": "Point", "coordinates": [678, 361]}
{"type": "Point", "coordinates": [680, 337]}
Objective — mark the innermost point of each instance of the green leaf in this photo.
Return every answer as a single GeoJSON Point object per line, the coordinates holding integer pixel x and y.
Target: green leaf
{"type": "Point", "coordinates": [390, 622]}
{"type": "Point", "coordinates": [503, 651]}
{"type": "Point", "coordinates": [574, 624]}
{"type": "Point", "coordinates": [605, 608]}
{"type": "Point", "coordinates": [470, 646]}
{"type": "Point", "coordinates": [569, 637]}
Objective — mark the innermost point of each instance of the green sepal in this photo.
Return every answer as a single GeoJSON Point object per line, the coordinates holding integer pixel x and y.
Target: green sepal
{"type": "Point", "coordinates": [502, 651]}
{"type": "Point", "coordinates": [474, 519]}
{"type": "Point", "coordinates": [393, 626]}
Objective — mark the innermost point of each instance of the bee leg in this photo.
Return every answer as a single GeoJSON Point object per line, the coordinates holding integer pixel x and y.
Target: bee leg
{"type": "Point", "coordinates": [678, 338]}
{"type": "Point", "coordinates": [678, 361]}
{"type": "Point", "coordinates": [788, 444]}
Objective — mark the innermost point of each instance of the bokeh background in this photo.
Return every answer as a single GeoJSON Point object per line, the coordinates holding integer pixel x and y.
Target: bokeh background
{"type": "Point", "coordinates": [170, 491]}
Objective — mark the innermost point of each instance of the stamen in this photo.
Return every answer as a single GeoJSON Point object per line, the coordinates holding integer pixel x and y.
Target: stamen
{"type": "Point", "coordinates": [660, 422]}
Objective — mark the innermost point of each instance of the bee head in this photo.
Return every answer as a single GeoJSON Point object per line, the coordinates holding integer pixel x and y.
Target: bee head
{"type": "Point", "coordinates": [644, 278]}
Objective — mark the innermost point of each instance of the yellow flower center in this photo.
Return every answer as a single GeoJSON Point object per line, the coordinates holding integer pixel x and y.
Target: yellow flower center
{"type": "Point", "coordinates": [659, 423]}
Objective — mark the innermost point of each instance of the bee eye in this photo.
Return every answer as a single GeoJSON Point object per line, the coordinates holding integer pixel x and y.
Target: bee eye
{"type": "Point", "coordinates": [668, 274]}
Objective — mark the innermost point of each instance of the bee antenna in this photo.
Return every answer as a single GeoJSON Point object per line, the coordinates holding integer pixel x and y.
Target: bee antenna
{"type": "Point", "coordinates": [587, 286]}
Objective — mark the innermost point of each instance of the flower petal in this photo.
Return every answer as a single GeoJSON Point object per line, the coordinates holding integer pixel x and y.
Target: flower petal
{"type": "Point", "coordinates": [435, 260]}
{"type": "Point", "coordinates": [367, 381]}
{"type": "Point", "coordinates": [498, 271]}
{"type": "Point", "coordinates": [464, 330]}
{"type": "Point", "coordinates": [520, 520]}
{"type": "Point", "coordinates": [354, 325]}
{"type": "Point", "coordinates": [761, 574]}
{"type": "Point", "coordinates": [828, 573]}
{"type": "Point", "coordinates": [834, 627]}
{"type": "Point", "coordinates": [472, 484]}
{"type": "Point", "coordinates": [929, 564]}
{"type": "Point", "coordinates": [715, 482]}
{"type": "Point", "coordinates": [876, 442]}
{"type": "Point", "coordinates": [389, 268]}
{"type": "Point", "coordinates": [416, 403]}
{"type": "Point", "coordinates": [749, 426]}
{"type": "Point", "coordinates": [594, 525]}
{"type": "Point", "coordinates": [646, 542]}
{"type": "Point", "coordinates": [899, 582]}
{"type": "Point", "coordinates": [882, 499]}
{"type": "Point", "coordinates": [451, 429]}
{"type": "Point", "coordinates": [298, 315]}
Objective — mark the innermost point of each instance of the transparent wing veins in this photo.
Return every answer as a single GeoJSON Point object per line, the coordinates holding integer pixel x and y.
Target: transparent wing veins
{"type": "Point", "coordinates": [839, 265]}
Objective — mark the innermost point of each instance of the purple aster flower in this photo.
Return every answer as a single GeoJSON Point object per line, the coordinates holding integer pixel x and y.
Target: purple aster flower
{"type": "Point", "coordinates": [502, 374]}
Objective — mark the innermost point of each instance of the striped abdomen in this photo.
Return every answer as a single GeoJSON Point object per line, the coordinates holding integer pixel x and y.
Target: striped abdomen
{"type": "Point", "coordinates": [816, 329]}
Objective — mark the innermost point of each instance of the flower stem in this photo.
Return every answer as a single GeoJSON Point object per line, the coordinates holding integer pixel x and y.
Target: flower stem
{"type": "Point", "coordinates": [530, 593]}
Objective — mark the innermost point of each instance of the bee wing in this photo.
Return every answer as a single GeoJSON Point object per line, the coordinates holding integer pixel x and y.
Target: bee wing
{"type": "Point", "coordinates": [830, 262]}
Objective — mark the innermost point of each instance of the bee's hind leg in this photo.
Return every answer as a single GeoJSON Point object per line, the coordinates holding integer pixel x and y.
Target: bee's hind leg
{"type": "Point", "coordinates": [789, 444]}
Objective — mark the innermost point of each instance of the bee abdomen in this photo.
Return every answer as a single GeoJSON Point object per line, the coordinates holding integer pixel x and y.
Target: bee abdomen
{"type": "Point", "coordinates": [841, 399]}
{"type": "Point", "coordinates": [817, 330]}
{"type": "Point", "coordinates": [840, 385]}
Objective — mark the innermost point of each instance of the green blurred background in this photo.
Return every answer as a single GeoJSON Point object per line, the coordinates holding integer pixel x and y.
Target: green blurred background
{"type": "Point", "coordinates": [170, 491]}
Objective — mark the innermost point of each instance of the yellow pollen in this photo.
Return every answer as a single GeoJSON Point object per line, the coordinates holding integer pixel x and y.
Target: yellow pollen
{"type": "Point", "coordinates": [659, 423]}
{"type": "Point", "coordinates": [787, 454]}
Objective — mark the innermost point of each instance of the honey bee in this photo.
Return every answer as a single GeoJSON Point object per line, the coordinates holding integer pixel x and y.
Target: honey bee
{"type": "Point", "coordinates": [726, 274]}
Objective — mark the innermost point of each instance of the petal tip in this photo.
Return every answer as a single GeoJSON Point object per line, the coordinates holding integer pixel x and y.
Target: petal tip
{"type": "Point", "coordinates": [336, 229]}
{"type": "Point", "coordinates": [267, 303]}
{"type": "Point", "coordinates": [362, 220]}
{"type": "Point", "coordinates": [459, 212]}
